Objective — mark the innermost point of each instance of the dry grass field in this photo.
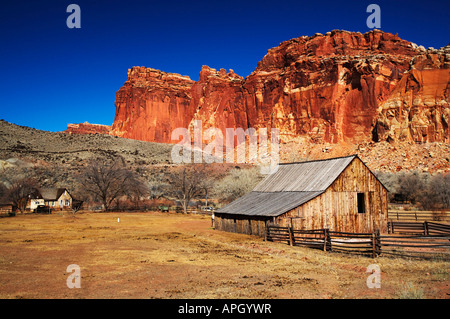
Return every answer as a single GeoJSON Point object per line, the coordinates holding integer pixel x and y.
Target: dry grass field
{"type": "Point", "coordinates": [155, 255]}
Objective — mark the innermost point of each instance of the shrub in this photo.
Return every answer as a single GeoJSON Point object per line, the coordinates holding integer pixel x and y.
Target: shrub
{"type": "Point", "coordinates": [410, 291]}
{"type": "Point", "coordinates": [237, 183]}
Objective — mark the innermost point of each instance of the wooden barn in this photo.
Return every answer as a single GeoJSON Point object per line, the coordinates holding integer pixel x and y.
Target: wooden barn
{"type": "Point", "coordinates": [340, 194]}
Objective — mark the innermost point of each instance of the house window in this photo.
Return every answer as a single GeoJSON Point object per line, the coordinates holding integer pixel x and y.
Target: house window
{"type": "Point", "coordinates": [361, 206]}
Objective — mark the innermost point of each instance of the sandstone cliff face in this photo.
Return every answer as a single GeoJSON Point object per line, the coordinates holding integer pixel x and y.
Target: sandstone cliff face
{"type": "Point", "coordinates": [151, 104]}
{"type": "Point", "coordinates": [218, 98]}
{"type": "Point", "coordinates": [332, 88]}
{"type": "Point", "coordinates": [87, 128]}
{"type": "Point", "coordinates": [328, 87]}
{"type": "Point", "coordinates": [418, 108]}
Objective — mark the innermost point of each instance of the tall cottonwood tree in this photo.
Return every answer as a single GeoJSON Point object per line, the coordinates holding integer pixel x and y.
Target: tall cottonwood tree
{"type": "Point", "coordinates": [188, 182]}
{"type": "Point", "coordinates": [109, 181]}
{"type": "Point", "coordinates": [20, 191]}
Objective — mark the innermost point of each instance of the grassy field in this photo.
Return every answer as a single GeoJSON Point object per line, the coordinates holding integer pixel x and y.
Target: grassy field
{"type": "Point", "coordinates": [155, 255]}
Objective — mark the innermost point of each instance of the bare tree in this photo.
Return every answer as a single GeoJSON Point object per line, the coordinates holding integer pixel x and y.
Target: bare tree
{"type": "Point", "coordinates": [20, 191]}
{"type": "Point", "coordinates": [411, 184]}
{"type": "Point", "coordinates": [106, 182]}
{"type": "Point", "coordinates": [76, 205]}
{"type": "Point", "coordinates": [188, 182]}
{"type": "Point", "coordinates": [436, 192]}
{"type": "Point", "coordinates": [3, 192]}
{"type": "Point", "coordinates": [136, 189]}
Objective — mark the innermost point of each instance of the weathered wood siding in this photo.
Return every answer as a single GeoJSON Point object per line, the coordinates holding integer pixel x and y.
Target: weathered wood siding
{"type": "Point", "coordinates": [337, 208]}
{"type": "Point", "coordinates": [251, 225]}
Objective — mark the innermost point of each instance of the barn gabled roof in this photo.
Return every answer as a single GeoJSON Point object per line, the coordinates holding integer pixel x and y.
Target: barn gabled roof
{"type": "Point", "coordinates": [310, 176]}
{"type": "Point", "coordinates": [292, 185]}
{"type": "Point", "coordinates": [267, 203]}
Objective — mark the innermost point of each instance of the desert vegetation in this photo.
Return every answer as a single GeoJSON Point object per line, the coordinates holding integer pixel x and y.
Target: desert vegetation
{"type": "Point", "coordinates": [423, 190]}
{"type": "Point", "coordinates": [60, 160]}
{"type": "Point", "coordinates": [107, 182]}
{"type": "Point", "coordinates": [116, 184]}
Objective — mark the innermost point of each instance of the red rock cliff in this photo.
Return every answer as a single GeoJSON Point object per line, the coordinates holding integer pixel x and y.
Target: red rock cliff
{"type": "Point", "coordinates": [87, 128]}
{"type": "Point", "coordinates": [418, 108]}
{"type": "Point", "coordinates": [151, 104]}
{"type": "Point", "coordinates": [338, 87]}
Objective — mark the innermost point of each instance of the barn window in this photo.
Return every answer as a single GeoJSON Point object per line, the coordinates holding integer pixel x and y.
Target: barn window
{"type": "Point", "coordinates": [361, 206]}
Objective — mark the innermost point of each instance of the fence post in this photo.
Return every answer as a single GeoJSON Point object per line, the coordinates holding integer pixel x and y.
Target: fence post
{"type": "Point", "coordinates": [325, 238]}
{"type": "Point", "coordinates": [375, 243]}
{"type": "Point", "coordinates": [266, 230]}
{"type": "Point", "coordinates": [291, 237]}
{"type": "Point", "coordinates": [425, 228]}
{"type": "Point", "coordinates": [378, 242]}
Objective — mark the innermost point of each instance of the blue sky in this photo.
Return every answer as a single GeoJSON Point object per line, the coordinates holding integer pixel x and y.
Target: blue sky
{"type": "Point", "coordinates": [53, 75]}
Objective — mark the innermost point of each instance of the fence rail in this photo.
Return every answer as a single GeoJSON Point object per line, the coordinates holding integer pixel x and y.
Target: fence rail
{"type": "Point", "coordinates": [426, 228]}
{"type": "Point", "coordinates": [355, 243]}
{"type": "Point", "coordinates": [277, 233]}
{"type": "Point", "coordinates": [443, 216]}
{"type": "Point", "coordinates": [310, 238]}
{"type": "Point", "coordinates": [369, 244]}
{"type": "Point", "coordinates": [416, 246]}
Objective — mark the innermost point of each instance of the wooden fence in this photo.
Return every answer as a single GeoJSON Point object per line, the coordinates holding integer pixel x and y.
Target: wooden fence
{"type": "Point", "coordinates": [416, 246]}
{"type": "Point", "coordinates": [326, 240]}
{"type": "Point", "coordinates": [400, 215]}
{"type": "Point", "coordinates": [368, 244]}
{"type": "Point", "coordinates": [355, 243]}
{"type": "Point", "coordinates": [426, 228]}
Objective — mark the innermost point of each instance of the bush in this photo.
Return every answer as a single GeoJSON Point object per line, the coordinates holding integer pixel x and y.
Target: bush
{"type": "Point", "coordinates": [411, 292]}
{"type": "Point", "coordinates": [237, 183]}
{"type": "Point", "coordinates": [426, 190]}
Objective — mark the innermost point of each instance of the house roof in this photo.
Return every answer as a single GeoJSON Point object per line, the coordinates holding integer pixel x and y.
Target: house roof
{"type": "Point", "coordinates": [292, 185]}
{"type": "Point", "coordinates": [51, 193]}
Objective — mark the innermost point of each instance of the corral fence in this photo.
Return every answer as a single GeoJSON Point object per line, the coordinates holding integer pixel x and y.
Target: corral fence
{"type": "Point", "coordinates": [400, 215]}
{"type": "Point", "coordinates": [416, 246]}
{"type": "Point", "coordinates": [367, 244]}
{"type": "Point", "coordinates": [426, 228]}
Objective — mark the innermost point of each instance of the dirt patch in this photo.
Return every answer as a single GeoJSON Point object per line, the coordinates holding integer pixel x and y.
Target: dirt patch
{"type": "Point", "coordinates": [155, 255]}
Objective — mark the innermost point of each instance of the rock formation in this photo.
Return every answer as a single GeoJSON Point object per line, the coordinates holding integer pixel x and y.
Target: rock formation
{"type": "Point", "coordinates": [341, 87]}
{"type": "Point", "coordinates": [418, 107]}
{"type": "Point", "coordinates": [87, 128]}
{"type": "Point", "coordinates": [151, 104]}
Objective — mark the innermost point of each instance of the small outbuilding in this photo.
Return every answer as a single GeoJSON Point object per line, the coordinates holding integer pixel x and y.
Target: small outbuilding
{"type": "Point", "coordinates": [340, 194]}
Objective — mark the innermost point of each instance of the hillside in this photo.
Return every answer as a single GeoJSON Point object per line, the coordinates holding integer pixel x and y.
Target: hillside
{"type": "Point", "coordinates": [24, 146]}
{"type": "Point", "coordinates": [38, 147]}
